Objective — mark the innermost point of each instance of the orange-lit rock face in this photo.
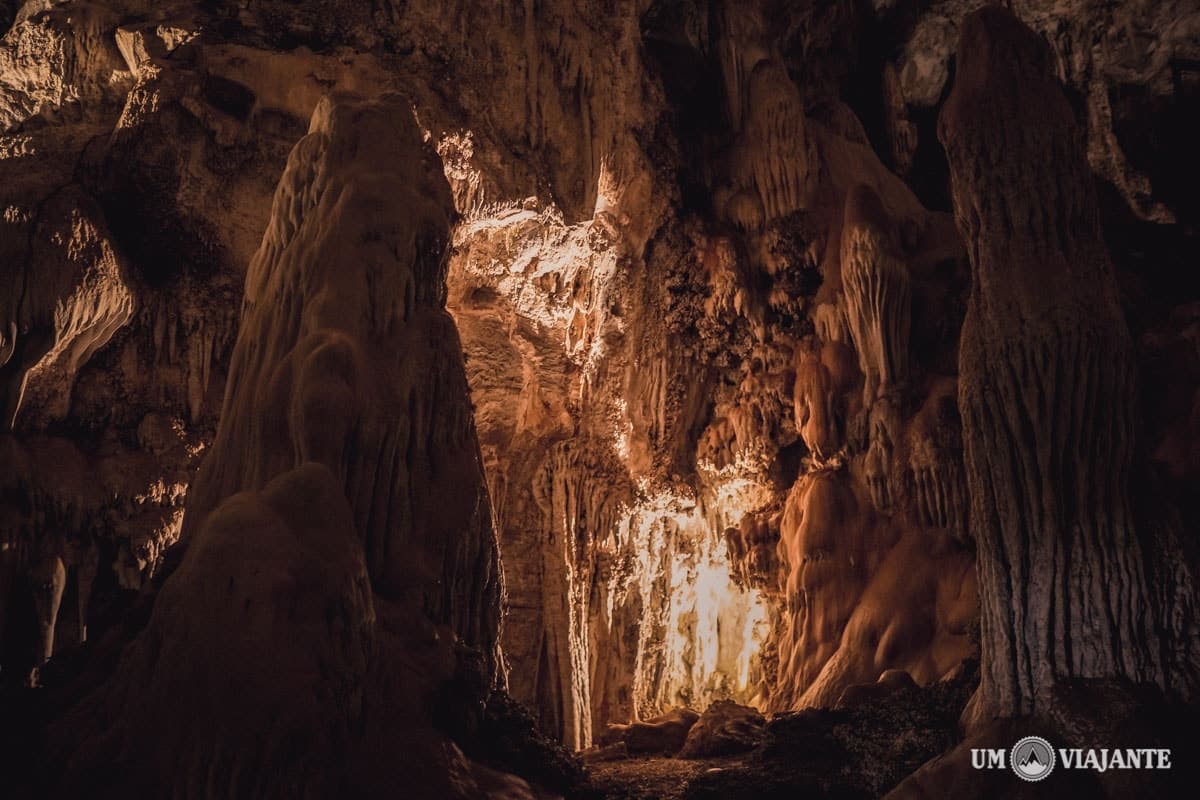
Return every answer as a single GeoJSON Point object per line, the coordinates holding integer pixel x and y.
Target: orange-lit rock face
{"type": "Point", "coordinates": [67, 300]}
{"type": "Point", "coordinates": [877, 291]}
{"type": "Point", "coordinates": [701, 449]}
{"type": "Point", "coordinates": [699, 261]}
{"type": "Point", "coordinates": [645, 378]}
{"type": "Point", "coordinates": [825, 373]}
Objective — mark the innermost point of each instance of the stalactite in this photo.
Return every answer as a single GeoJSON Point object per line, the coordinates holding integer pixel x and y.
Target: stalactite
{"type": "Point", "coordinates": [935, 461]}
{"type": "Point", "coordinates": [878, 293]}
{"type": "Point", "coordinates": [580, 508]}
{"type": "Point", "coordinates": [902, 133]}
{"type": "Point", "coordinates": [779, 158]}
{"type": "Point", "coordinates": [824, 377]}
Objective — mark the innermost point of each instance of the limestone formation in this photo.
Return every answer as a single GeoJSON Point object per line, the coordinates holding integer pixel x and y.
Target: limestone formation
{"type": "Point", "coordinates": [347, 361]}
{"type": "Point", "coordinates": [273, 603]}
{"type": "Point", "coordinates": [665, 733]}
{"type": "Point", "coordinates": [722, 729]}
{"type": "Point", "coordinates": [1046, 387]}
{"type": "Point", "coordinates": [346, 357]}
{"type": "Point", "coordinates": [719, 439]}
{"type": "Point", "coordinates": [67, 298]}
{"type": "Point", "coordinates": [878, 293]}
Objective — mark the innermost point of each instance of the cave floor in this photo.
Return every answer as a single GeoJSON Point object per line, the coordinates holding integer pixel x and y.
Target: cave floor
{"type": "Point", "coordinates": [653, 777]}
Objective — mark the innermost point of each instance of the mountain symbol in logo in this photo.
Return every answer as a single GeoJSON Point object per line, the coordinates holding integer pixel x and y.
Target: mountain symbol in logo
{"type": "Point", "coordinates": [1032, 758]}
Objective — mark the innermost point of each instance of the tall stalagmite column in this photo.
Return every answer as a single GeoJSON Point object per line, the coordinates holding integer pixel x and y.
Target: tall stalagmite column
{"type": "Point", "coordinates": [346, 356]}
{"type": "Point", "coordinates": [1047, 383]}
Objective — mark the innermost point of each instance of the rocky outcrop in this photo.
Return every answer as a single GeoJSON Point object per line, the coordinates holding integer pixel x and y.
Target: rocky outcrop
{"type": "Point", "coordinates": [724, 728]}
{"type": "Point", "coordinates": [665, 733]}
{"type": "Point", "coordinates": [67, 299]}
{"type": "Point", "coordinates": [862, 750]}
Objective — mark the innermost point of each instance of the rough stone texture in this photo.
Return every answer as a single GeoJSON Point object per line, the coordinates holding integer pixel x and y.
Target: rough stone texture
{"type": "Point", "coordinates": [346, 357]}
{"type": "Point", "coordinates": [665, 382]}
{"type": "Point", "coordinates": [710, 298]}
{"type": "Point", "coordinates": [860, 752]}
{"type": "Point", "coordinates": [1046, 387]}
{"type": "Point", "coordinates": [270, 614]}
{"type": "Point", "coordinates": [723, 729]}
{"type": "Point", "coordinates": [1116, 56]}
{"type": "Point", "coordinates": [285, 563]}
{"type": "Point", "coordinates": [664, 734]}
{"type": "Point", "coordinates": [71, 296]}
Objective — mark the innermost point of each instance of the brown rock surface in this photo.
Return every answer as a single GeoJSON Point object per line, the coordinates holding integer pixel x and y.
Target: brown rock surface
{"type": "Point", "coordinates": [664, 734]}
{"type": "Point", "coordinates": [271, 605]}
{"type": "Point", "coordinates": [345, 357]}
{"type": "Point", "coordinates": [1046, 388]}
{"type": "Point", "coordinates": [723, 729]}
{"type": "Point", "coordinates": [285, 561]}
{"type": "Point", "coordinates": [700, 262]}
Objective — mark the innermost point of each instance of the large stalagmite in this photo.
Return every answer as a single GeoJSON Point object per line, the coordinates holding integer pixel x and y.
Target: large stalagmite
{"type": "Point", "coordinates": [339, 564]}
{"type": "Point", "coordinates": [707, 295]}
{"type": "Point", "coordinates": [1046, 384]}
{"type": "Point", "coordinates": [346, 357]}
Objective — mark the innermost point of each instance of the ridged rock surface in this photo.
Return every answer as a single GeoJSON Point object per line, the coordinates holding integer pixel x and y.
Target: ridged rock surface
{"type": "Point", "coordinates": [346, 357]}
{"type": "Point", "coordinates": [346, 421]}
{"type": "Point", "coordinates": [709, 290]}
{"type": "Point", "coordinates": [1046, 386]}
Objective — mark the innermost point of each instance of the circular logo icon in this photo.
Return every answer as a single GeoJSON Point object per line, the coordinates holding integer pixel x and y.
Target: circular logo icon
{"type": "Point", "coordinates": [1032, 758]}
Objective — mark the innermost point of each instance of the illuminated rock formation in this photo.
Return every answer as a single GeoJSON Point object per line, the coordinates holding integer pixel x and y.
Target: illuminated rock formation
{"type": "Point", "coordinates": [823, 381]}
{"type": "Point", "coordinates": [54, 60]}
{"type": "Point", "coordinates": [66, 300]}
{"type": "Point", "coordinates": [699, 261]}
{"type": "Point", "coordinates": [878, 293]}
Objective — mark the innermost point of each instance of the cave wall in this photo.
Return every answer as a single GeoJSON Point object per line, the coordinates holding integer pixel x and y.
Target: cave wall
{"type": "Point", "coordinates": [742, 449]}
{"type": "Point", "coordinates": [799, 374]}
{"type": "Point", "coordinates": [706, 280]}
{"type": "Point", "coordinates": [309, 563]}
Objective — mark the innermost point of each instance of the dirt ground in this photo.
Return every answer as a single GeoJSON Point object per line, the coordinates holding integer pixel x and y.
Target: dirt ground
{"type": "Point", "coordinates": [652, 777]}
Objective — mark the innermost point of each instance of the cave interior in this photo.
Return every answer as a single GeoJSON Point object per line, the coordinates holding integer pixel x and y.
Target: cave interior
{"type": "Point", "coordinates": [696, 398]}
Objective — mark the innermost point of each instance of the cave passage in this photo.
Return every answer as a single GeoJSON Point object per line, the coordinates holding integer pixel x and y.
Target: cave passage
{"type": "Point", "coordinates": [672, 399]}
